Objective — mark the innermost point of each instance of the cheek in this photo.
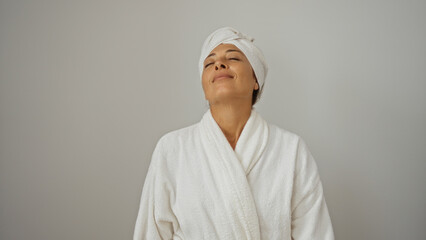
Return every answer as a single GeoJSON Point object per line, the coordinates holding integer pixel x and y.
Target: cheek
{"type": "Point", "coordinates": [204, 81]}
{"type": "Point", "coordinates": [247, 75]}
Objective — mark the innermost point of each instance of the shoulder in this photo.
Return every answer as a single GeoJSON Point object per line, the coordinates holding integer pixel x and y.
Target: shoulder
{"type": "Point", "coordinates": [179, 135]}
{"type": "Point", "coordinates": [166, 152]}
{"type": "Point", "coordinates": [278, 133]}
{"type": "Point", "coordinates": [175, 139]}
{"type": "Point", "coordinates": [286, 140]}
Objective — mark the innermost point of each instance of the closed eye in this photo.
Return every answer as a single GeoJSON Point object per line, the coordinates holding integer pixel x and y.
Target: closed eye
{"type": "Point", "coordinates": [237, 59]}
{"type": "Point", "coordinates": [208, 64]}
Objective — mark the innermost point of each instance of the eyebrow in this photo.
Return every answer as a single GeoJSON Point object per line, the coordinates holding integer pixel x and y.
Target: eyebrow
{"type": "Point", "coordinates": [227, 51]}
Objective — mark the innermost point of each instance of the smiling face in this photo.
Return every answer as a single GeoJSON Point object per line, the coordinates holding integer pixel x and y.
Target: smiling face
{"type": "Point", "coordinates": [228, 76]}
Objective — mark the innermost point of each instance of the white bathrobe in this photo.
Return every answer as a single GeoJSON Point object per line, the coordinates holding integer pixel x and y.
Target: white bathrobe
{"type": "Point", "coordinates": [197, 187]}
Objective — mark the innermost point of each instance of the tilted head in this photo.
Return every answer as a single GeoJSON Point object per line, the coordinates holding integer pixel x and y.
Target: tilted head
{"type": "Point", "coordinates": [232, 54]}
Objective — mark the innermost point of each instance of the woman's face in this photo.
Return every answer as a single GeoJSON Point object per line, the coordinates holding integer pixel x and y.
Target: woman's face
{"type": "Point", "coordinates": [228, 75]}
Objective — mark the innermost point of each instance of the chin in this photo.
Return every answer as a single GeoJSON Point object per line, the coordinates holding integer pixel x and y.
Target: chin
{"type": "Point", "coordinates": [223, 98]}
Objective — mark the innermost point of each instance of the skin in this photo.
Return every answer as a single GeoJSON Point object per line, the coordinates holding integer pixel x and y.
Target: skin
{"type": "Point", "coordinates": [230, 96]}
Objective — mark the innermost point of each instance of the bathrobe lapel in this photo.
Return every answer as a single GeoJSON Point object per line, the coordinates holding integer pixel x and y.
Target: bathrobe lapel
{"type": "Point", "coordinates": [230, 169]}
{"type": "Point", "coordinates": [252, 141]}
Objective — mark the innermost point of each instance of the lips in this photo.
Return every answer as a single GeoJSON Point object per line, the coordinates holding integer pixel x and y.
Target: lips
{"type": "Point", "coordinates": [222, 76]}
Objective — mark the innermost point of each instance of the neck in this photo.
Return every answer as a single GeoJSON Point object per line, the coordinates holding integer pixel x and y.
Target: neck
{"type": "Point", "coordinates": [231, 119]}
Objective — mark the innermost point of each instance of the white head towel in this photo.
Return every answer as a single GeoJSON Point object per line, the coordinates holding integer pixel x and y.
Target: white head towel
{"type": "Point", "coordinates": [228, 35]}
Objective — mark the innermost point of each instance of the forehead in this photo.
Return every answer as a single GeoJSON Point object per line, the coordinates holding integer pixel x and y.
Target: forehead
{"type": "Point", "coordinates": [224, 47]}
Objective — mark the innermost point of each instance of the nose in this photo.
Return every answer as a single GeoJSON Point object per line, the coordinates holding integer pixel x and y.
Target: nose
{"type": "Point", "coordinates": [219, 65]}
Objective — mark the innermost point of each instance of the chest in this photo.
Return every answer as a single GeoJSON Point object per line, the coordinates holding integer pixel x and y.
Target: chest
{"type": "Point", "coordinates": [201, 202]}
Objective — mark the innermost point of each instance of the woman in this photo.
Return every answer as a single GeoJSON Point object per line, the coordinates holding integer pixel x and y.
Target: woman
{"type": "Point", "coordinates": [232, 175]}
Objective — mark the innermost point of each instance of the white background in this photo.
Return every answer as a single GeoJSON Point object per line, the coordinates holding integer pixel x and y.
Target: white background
{"type": "Point", "coordinates": [88, 87]}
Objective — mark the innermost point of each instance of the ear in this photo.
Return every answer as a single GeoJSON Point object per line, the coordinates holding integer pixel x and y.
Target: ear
{"type": "Point", "coordinates": [256, 86]}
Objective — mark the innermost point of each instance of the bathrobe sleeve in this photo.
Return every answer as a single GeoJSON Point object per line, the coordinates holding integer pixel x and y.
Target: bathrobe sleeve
{"type": "Point", "coordinates": [156, 219]}
{"type": "Point", "coordinates": [310, 217]}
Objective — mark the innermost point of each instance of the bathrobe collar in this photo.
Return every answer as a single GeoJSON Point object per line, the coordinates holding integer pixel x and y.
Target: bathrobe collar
{"type": "Point", "coordinates": [251, 143]}
{"type": "Point", "coordinates": [232, 167]}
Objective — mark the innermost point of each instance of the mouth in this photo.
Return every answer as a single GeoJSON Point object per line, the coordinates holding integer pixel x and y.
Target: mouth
{"type": "Point", "coordinates": [221, 77]}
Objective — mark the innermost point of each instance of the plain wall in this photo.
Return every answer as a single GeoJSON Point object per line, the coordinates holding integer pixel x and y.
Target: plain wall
{"type": "Point", "coordinates": [88, 87]}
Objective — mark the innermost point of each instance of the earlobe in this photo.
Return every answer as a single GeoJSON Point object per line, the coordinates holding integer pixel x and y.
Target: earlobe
{"type": "Point", "coordinates": [256, 86]}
